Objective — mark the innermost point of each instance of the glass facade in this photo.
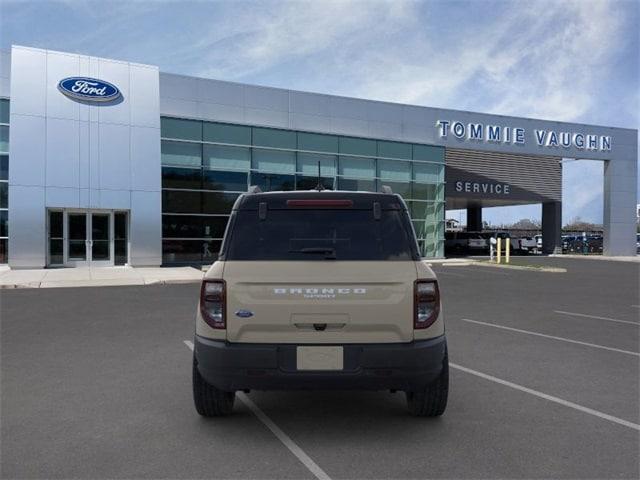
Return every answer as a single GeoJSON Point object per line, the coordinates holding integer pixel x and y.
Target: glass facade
{"type": "Point", "coordinates": [206, 166]}
{"type": "Point", "coordinates": [4, 180]}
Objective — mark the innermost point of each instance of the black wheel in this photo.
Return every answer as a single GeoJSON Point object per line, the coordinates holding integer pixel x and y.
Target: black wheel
{"type": "Point", "coordinates": [432, 401]}
{"type": "Point", "coordinates": [209, 400]}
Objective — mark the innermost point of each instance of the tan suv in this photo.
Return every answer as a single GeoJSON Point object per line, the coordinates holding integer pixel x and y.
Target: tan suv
{"type": "Point", "coordinates": [320, 290]}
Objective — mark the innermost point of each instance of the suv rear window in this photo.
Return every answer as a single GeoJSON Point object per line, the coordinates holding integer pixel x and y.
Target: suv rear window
{"type": "Point", "coordinates": [331, 234]}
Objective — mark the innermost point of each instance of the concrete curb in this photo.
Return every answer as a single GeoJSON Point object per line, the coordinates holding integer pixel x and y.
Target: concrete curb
{"type": "Point", "coordinates": [98, 283]}
{"type": "Point", "coordinates": [452, 262]}
{"type": "Point", "coordinates": [99, 277]}
{"type": "Point", "coordinates": [601, 258]}
{"type": "Point", "coordinates": [522, 267]}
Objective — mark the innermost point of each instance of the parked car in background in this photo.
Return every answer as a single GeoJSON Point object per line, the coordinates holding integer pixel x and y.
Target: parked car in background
{"type": "Point", "coordinates": [528, 245]}
{"type": "Point", "coordinates": [477, 244]}
{"type": "Point", "coordinates": [538, 248]}
{"type": "Point", "coordinates": [579, 244]}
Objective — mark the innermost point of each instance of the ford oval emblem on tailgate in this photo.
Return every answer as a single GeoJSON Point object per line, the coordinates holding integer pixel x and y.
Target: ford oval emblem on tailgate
{"type": "Point", "coordinates": [244, 314]}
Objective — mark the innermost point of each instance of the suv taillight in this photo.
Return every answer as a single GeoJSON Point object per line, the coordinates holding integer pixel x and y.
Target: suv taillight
{"type": "Point", "coordinates": [212, 303]}
{"type": "Point", "coordinates": [426, 303]}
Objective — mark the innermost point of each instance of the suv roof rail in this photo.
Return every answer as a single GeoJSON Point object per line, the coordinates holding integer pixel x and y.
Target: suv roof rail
{"type": "Point", "coordinates": [386, 189]}
{"type": "Point", "coordinates": [254, 189]}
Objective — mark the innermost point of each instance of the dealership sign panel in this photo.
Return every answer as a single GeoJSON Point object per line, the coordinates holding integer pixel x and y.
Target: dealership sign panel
{"type": "Point", "coordinates": [498, 134]}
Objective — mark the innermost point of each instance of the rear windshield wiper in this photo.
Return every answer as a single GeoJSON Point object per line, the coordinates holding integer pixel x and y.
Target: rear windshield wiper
{"type": "Point", "coordinates": [330, 253]}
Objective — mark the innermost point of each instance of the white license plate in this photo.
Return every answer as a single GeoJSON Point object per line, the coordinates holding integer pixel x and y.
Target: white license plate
{"type": "Point", "coordinates": [320, 358]}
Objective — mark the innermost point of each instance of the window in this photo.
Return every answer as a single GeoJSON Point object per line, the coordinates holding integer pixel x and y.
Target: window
{"type": "Point", "coordinates": [271, 137]}
{"type": "Point", "coordinates": [183, 251]}
{"type": "Point", "coordinates": [357, 167]}
{"type": "Point", "coordinates": [394, 150]}
{"type": "Point", "coordinates": [224, 133]}
{"type": "Point", "coordinates": [217, 202]}
{"type": "Point", "coordinates": [308, 164]}
{"type": "Point", "coordinates": [182, 129]}
{"type": "Point", "coordinates": [4, 167]}
{"type": "Point", "coordinates": [216, 180]}
{"type": "Point", "coordinates": [4, 178]}
{"type": "Point", "coordinates": [4, 111]}
{"type": "Point", "coordinates": [213, 227]}
{"type": "Point", "coordinates": [176, 201]}
{"type": "Point", "coordinates": [56, 238]}
{"type": "Point", "coordinates": [190, 178]}
{"type": "Point", "coordinates": [269, 182]}
{"type": "Point", "coordinates": [393, 170]}
{"type": "Point", "coordinates": [358, 146]}
{"type": "Point", "coordinates": [4, 195]}
{"type": "Point", "coordinates": [428, 153]}
{"type": "Point", "coordinates": [188, 226]}
{"type": "Point", "coordinates": [321, 234]}
{"type": "Point", "coordinates": [274, 161]}
{"type": "Point", "coordinates": [317, 143]}
{"type": "Point", "coordinates": [226, 158]}
{"type": "Point", "coordinates": [4, 223]}
{"type": "Point", "coordinates": [426, 191]}
{"type": "Point", "coordinates": [311, 183]}
{"type": "Point", "coordinates": [120, 238]}
{"type": "Point", "coordinates": [401, 188]}
{"type": "Point", "coordinates": [190, 251]}
{"type": "Point", "coordinates": [4, 139]}
{"type": "Point", "coordinates": [205, 165]}
{"type": "Point", "coordinates": [356, 185]}
{"type": "Point", "coordinates": [180, 153]}
{"type": "Point", "coordinates": [428, 172]}
{"type": "Point", "coordinates": [181, 226]}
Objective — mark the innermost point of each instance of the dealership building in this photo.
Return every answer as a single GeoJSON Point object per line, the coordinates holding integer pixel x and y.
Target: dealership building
{"type": "Point", "coordinates": [106, 162]}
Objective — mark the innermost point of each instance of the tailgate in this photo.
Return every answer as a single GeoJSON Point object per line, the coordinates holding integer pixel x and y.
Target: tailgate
{"type": "Point", "coordinates": [320, 302]}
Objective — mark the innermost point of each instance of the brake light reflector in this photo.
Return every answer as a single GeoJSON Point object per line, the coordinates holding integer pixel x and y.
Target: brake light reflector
{"type": "Point", "coordinates": [212, 303]}
{"type": "Point", "coordinates": [325, 203]}
{"type": "Point", "coordinates": [426, 303]}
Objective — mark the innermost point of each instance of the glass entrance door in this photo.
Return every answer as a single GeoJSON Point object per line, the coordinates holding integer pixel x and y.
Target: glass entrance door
{"type": "Point", "coordinates": [77, 239]}
{"type": "Point", "coordinates": [101, 241]}
{"type": "Point", "coordinates": [83, 238]}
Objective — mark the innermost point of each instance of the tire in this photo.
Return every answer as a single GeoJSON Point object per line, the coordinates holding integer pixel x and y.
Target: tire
{"type": "Point", "coordinates": [209, 400]}
{"type": "Point", "coordinates": [432, 401]}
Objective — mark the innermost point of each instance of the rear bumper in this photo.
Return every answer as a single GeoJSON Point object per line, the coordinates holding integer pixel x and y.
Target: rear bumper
{"type": "Point", "coordinates": [241, 366]}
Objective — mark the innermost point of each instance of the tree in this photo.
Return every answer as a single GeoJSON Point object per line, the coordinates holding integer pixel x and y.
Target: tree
{"type": "Point", "coordinates": [576, 224]}
{"type": "Point", "coordinates": [526, 224]}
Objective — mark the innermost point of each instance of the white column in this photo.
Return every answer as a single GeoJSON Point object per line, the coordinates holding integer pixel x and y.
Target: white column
{"type": "Point", "coordinates": [620, 198]}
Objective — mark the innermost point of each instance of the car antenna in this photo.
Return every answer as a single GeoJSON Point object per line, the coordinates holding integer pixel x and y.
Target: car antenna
{"type": "Point", "coordinates": [319, 186]}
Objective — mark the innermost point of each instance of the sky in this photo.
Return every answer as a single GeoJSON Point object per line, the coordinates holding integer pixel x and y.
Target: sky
{"type": "Point", "coordinates": [574, 61]}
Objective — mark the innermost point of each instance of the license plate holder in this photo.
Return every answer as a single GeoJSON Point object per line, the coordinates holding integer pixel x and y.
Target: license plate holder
{"type": "Point", "coordinates": [329, 358]}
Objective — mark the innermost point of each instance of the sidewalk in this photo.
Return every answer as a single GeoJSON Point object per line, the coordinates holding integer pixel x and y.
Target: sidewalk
{"type": "Point", "coordinates": [632, 259]}
{"type": "Point", "coordinates": [97, 277]}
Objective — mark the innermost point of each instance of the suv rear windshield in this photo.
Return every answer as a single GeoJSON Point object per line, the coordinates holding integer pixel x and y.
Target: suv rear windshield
{"type": "Point", "coordinates": [332, 234]}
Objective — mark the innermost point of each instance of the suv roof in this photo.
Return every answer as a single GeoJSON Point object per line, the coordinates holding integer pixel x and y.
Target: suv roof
{"type": "Point", "coordinates": [361, 200]}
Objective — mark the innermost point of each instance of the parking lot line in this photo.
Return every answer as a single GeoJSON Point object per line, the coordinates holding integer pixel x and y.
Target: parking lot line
{"type": "Point", "coordinates": [562, 339]}
{"type": "Point", "coordinates": [573, 314]}
{"type": "Point", "coordinates": [440, 272]}
{"type": "Point", "coordinates": [485, 270]}
{"type": "Point", "coordinates": [551, 398]}
{"type": "Point", "coordinates": [280, 435]}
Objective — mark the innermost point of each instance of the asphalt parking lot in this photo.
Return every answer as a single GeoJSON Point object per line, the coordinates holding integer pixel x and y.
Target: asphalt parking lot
{"type": "Point", "coordinates": [96, 384]}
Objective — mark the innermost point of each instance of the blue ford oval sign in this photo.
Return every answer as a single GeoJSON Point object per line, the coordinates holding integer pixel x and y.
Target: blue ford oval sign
{"type": "Point", "coordinates": [244, 313]}
{"type": "Point", "coordinates": [89, 89]}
